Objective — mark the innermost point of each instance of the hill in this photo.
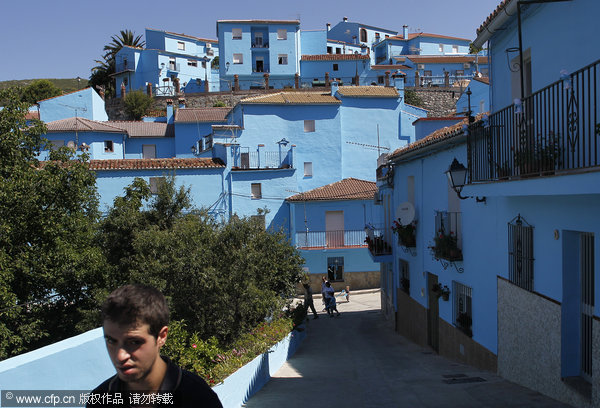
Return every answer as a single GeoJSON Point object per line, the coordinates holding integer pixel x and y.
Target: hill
{"type": "Point", "coordinates": [67, 84]}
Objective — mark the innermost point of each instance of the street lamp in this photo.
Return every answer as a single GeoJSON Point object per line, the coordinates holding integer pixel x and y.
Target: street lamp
{"type": "Point", "coordinates": [457, 176]}
{"type": "Point", "coordinates": [206, 60]}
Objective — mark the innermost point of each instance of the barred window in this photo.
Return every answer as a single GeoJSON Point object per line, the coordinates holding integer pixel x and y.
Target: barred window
{"type": "Point", "coordinates": [462, 313]}
{"type": "Point", "coordinates": [404, 276]}
{"type": "Point", "coordinates": [520, 253]}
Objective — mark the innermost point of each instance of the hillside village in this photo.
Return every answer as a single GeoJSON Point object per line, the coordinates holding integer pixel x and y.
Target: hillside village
{"type": "Point", "coordinates": [478, 226]}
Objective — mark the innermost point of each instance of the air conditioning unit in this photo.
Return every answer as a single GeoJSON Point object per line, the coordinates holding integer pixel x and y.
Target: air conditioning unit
{"type": "Point", "coordinates": [467, 65]}
{"type": "Point", "coordinates": [420, 66]}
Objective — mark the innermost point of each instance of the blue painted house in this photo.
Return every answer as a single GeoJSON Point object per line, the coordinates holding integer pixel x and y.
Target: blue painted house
{"type": "Point", "coordinates": [502, 273]}
{"type": "Point", "coordinates": [479, 97]}
{"type": "Point", "coordinates": [345, 69]}
{"type": "Point", "coordinates": [169, 61]}
{"type": "Point", "coordinates": [254, 52]}
{"type": "Point", "coordinates": [85, 103]}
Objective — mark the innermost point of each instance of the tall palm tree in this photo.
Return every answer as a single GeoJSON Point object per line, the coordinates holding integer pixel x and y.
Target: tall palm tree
{"type": "Point", "coordinates": [101, 74]}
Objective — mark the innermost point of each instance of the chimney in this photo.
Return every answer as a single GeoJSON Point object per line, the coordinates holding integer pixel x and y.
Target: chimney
{"type": "Point", "coordinates": [387, 78]}
{"type": "Point", "coordinates": [328, 26]}
{"type": "Point", "coordinates": [169, 111]}
{"type": "Point", "coordinates": [345, 19]}
{"type": "Point", "coordinates": [181, 103]}
{"type": "Point", "coordinates": [405, 31]}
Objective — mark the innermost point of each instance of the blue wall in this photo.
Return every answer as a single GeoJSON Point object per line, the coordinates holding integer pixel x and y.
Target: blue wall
{"type": "Point", "coordinates": [480, 98]}
{"type": "Point", "coordinates": [83, 104]}
{"type": "Point", "coordinates": [313, 42]}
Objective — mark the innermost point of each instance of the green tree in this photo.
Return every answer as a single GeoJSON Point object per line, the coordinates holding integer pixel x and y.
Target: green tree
{"type": "Point", "coordinates": [101, 73]}
{"type": "Point", "coordinates": [411, 97]}
{"type": "Point", "coordinates": [137, 104]}
{"type": "Point", "coordinates": [473, 49]}
{"type": "Point", "coordinates": [214, 64]}
{"type": "Point", "coordinates": [48, 215]}
{"type": "Point", "coordinates": [38, 90]}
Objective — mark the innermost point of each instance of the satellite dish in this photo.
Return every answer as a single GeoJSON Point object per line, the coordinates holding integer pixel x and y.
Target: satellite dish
{"type": "Point", "coordinates": [71, 145]}
{"type": "Point", "coordinates": [405, 213]}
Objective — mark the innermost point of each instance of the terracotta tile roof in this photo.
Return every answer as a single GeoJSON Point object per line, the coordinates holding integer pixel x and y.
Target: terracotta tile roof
{"type": "Point", "coordinates": [293, 98]}
{"type": "Point", "coordinates": [438, 118]}
{"type": "Point", "coordinates": [368, 91]}
{"type": "Point", "coordinates": [399, 59]}
{"type": "Point", "coordinates": [492, 16]}
{"type": "Point", "coordinates": [32, 115]}
{"type": "Point", "coordinates": [388, 67]}
{"type": "Point", "coordinates": [346, 189]}
{"type": "Point", "coordinates": [144, 129]}
{"type": "Point", "coordinates": [446, 59]}
{"type": "Point", "coordinates": [485, 80]}
{"type": "Point", "coordinates": [156, 164]}
{"type": "Point", "coordinates": [194, 115]}
{"type": "Point", "coordinates": [439, 135]}
{"type": "Point", "coordinates": [82, 125]}
{"type": "Point", "coordinates": [415, 35]}
{"type": "Point", "coordinates": [335, 57]}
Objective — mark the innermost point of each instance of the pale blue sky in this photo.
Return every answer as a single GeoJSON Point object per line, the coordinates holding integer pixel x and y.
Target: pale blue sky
{"type": "Point", "coordinates": [62, 38]}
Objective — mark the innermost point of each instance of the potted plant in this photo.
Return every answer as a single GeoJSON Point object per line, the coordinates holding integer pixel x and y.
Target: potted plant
{"type": "Point", "coordinates": [441, 291]}
{"type": "Point", "coordinates": [406, 233]}
{"type": "Point", "coordinates": [503, 170]}
{"type": "Point", "coordinates": [539, 155]}
{"type": "Point", "coordinates": [446, 246]}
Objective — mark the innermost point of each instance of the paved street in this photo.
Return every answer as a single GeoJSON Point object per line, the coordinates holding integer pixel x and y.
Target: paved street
{"type": "Point", "coordinates": [356, 360]}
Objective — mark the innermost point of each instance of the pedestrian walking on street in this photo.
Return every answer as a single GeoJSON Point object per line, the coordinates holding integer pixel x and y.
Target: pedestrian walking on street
{"type": "Point", "coordinates": [308, 300]}
{"type": "Point", "coordinates": [323, 287]}
{"type": "Point", "coordinates": [330, 303]}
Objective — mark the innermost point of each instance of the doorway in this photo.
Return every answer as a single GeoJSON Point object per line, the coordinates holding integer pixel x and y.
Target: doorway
{"type": "Point", "coordinates": [433, 314]}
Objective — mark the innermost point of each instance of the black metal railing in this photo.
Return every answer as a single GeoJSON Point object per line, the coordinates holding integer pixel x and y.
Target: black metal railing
{"type": "Point", "coordinates": [556, 128]}
{"type": "Point", "coordinates": [377, 241]}
{"type": "Point", "coordinates": [330, 239]}
{"type": "Point", "coordinates": [447, 241]}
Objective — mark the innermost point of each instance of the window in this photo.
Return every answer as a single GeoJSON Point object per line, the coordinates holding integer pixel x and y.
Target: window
{"type": "Point", "coordinates": [238, 58]}
{"type": "Point", "coordinates": [108, 146]}
{"type": "Point", "coordinates": [363, 35]}
{"type": "Point", "coordinates": [329, 50]}
{"type": "Point", "coordinates": [180, 45]}
{"type": "Point", "coordinates": [441, 47]}
{"type": "Point", "coordinates": [258, 40]}
{"type": "Point", "coordinates": [387, 36]}
{"type": "Point", "coordinates": [192, 63]}
{"type": "Point", "coordinates": [460, 72]}
{"type": "Point", "coordinates": [308, 170]}
{"type": "Point", "coordinates": [335, 268]}
{"type": "Point", "coordinates": [461, 311]}
{"type": "Point", "coordinates": [520, 253]}
{"type": "Point", "coordinates": [148, 151]}
{"type": "Point", "coordinates": [203, 64]}
{"type": "Point", "coordinates": [335, 67]}
{"type": "Point", "coordinates": [381, 79]}
{"type": "Point", "coordinates": [338, 50]}
{"type": "Point", "coordinates": [404, 276]}
{"type": "Point", "coordinates": [282, 34]}
{"type": "Point", "coordinates": [282, 59]}
{"type": "Point", "coordinates": [455, 49]}
{"type": "Point", "coordinates": [172, 64]}
{"type": "Point", "coordinates": [236, 33]}
{"type": "Point", "coordinates": [309, 126]}
{"type": "Point", "coordinates": [156, 183]}
{"type": "Point", "coordinates": [255, 189]}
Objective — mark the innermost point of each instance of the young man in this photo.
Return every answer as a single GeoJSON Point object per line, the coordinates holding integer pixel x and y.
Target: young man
{"type": "Point", "coordinates": [135, 319]}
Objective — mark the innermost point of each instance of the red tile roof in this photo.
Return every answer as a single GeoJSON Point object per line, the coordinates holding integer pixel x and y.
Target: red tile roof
{"type": "Point", "coordinates": [346, 189]}
{"type": "Point", "coordinates": [32, 115]}
{"type": "Point", "coordinates": [415, 35]}
{"type": "Point", "coordinates": [293, 98]}
{"type": "Point", "coordinates": [82, 125]}
{"type": "Point", "coordinates": [144, 129]}
{"type": "Point", "coordinates": [156, 164]}
{"type": "Point", "coordinates": [194, 115]}
{"type": "Point", "coordinates": [335, 57]}
{"type": "Point", "coordinates": [368, 91]}
{"type": "Point", "coordinates": [493, 15]}
{"type": "Point", "coordinates": [485, 80]}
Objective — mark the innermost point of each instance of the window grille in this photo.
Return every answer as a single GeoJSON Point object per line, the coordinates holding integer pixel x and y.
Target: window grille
{"type": "Point", "coordinates": [449, 223]}
{"type": "Point", "coordinates": [335, 268]}
{"type": "Point", "coordinates": [462, 313]}
{"type": "Point", "coordinates": [404, 276]}
{"type": "Point", "coordinates": [520, 253]}
{"type": "Point", "coordinates": [586, 261]}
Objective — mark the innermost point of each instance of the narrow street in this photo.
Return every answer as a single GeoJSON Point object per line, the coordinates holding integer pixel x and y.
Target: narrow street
{"type": "Point", "coordinates": [356, 360]}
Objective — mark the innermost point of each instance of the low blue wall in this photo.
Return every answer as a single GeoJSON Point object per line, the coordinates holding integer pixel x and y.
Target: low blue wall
{"type": "Point", "coordinates": [81, 363]}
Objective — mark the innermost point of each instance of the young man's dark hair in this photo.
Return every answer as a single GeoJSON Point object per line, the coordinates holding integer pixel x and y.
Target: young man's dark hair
{"type": "Point", "coordinates": [132, 304]}
{"type": "Point", "coordinates": [135, 319]}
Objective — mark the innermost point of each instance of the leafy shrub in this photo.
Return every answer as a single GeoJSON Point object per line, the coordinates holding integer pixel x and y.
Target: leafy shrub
{"type": "Point", "coordinates": [137, 104]}
{"type": "Point", "coordinates": [412, 98]}
{"type": "Point", "coordinates": [219, 104]}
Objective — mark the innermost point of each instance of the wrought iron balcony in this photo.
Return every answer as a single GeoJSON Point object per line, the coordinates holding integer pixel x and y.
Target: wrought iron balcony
{"type": "Point", "coordinates": [331, 239]}
{"type": "Point", "coordinates": [554, 129]}
{"type": "Point", "coordinates": [254, 159]}
{"type": "Point", "coordinates": [447, 241]}
{"type": "Point", "coordinates": [378, 240]}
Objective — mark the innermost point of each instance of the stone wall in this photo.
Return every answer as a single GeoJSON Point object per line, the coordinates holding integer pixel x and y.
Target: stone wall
{"type": "Point", "coordinates": [438, 101]}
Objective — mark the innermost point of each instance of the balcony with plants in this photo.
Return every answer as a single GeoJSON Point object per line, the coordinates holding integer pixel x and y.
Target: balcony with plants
{"type": "Point", "coordinates": [378, 242]}
{"type": "Point", "coordinates": [553, 131]}
{"type": "Point", "coordinates": [407, 234]}
{"type": "Point", "coordinates": [447, 241]}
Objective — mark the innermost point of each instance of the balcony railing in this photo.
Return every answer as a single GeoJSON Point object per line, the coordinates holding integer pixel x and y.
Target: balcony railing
{"type": "Point", "coordinates": [377, 241]}
{"type": "Point", "coordinates": [258, 159]}
{"type": "Point", "coordinates": [556, 128]}
{"type": "Point", "coordinates": [330, 239]}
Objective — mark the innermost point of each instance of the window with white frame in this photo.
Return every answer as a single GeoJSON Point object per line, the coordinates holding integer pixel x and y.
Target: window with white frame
{"type": "Point", "coordinates": [238, 58]}
{"type": "Point", "coordinates": [172, 64]}
{"type": "Point", "coordinates": [181, 45]}
{"type": "Point", "coordinates": [329, 50]}
{"type": "Point", "coordinates": [236, 33]}
{"type": "Point", "coordinates": [461, 310]}
{"type": "Point", "coordinates": [282, 34]}
{"type": "Point", "coordinates": [155, 184]}
{"type": "Point", "coordinates": [308, 169]}
{"type": "Point", "coordinates": [309, 125]}
{"type": "Point", "coordinates": [338, 50]}
{"type": "Point", "coordinates": [108, 146]}
{"type": "Point", "coordinates": [192, 63]}
{"type": "Point", "coordinates": [363, 35]}
{"type": "Point", "coordinates": [455, 49]}
{"type": "Point", "coordinates": [256, 191]}
{"type": "Point", "coordinates": [441, 47]}
{"type": "Point", "coordinates": [282, 59]}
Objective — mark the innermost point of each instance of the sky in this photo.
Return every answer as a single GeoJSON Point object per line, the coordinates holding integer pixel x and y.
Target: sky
{"type": "Point", "coordinates": [63, 38]}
